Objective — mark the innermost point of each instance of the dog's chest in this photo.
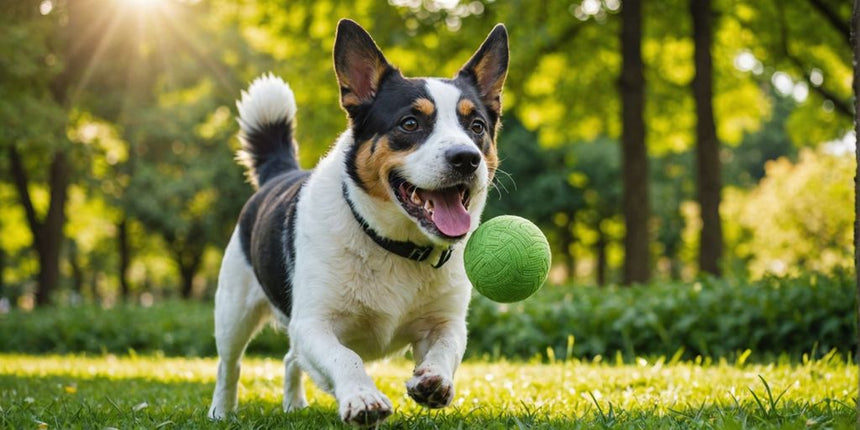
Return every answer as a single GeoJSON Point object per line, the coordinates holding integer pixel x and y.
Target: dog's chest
{"type": "Point", "coordinates": [384, 310]}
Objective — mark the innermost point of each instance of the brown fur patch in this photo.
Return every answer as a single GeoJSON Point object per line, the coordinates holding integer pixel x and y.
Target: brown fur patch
{"type": "Point", "coordinates": [424, 106]}
{"type": "Point", "coordinates": [489, 82]}
{"type": "Point", "coordinates": [492, 158]}
{"type": "Point", "coordinates": [373, 167]}
{"type": "Point", "coordinates": [361, 81]}
{"type": "Point", "coordinates": [465, 107]}
{"type": "Point", "coordinates": [349, 99]}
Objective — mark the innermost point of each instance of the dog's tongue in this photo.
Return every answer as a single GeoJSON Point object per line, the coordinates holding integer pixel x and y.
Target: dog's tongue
{"type": "Point", "coordinates": [449, 214]}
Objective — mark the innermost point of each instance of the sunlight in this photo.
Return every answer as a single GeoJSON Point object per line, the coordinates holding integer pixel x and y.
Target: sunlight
{"type": "Point", "coordinates": [142, 5]}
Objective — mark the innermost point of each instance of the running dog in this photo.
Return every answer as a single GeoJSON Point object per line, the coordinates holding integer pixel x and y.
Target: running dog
{"type": "Point", "coordinates": [362, 256]}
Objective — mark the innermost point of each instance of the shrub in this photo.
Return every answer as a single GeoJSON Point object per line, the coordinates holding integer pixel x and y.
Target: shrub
{"type": "Point", "coordinates": [712, 318]}
{"type": "Point", "coordinates": [799, 218]}
{"type": "Point", "coordinates": [174, 328]}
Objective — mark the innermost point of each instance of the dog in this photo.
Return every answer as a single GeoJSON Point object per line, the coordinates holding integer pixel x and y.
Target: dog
{"type": "Point", "coordinates": [362, 257]}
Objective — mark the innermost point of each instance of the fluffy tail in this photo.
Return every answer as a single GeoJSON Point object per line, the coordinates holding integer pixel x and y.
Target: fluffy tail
{"type": "Point", "coordinates": [267, 113]}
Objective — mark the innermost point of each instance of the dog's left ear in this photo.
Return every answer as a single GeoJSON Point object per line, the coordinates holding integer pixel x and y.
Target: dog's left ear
{"type": "Point", "coordinates": [488, 68]}
{"type": "Point", "coordinates": [358, 63]}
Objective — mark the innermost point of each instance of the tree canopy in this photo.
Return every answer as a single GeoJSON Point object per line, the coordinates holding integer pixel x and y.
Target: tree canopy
{"type": "Point", "coordinates": [117, 128]}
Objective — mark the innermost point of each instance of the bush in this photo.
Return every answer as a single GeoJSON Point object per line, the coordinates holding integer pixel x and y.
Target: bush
{"type": "Point", "coordinates": [712, 318]}
{"type": "Point", "coordinates": [799, 218]}
{"type": "Point", "coordinates": [174, 328]}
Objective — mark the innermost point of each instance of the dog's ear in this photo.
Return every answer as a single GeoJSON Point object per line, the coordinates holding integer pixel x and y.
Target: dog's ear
{"type": "Point", "coordinates": [488, 67]}
{"type": "Point", "coordinates": [358, 63]}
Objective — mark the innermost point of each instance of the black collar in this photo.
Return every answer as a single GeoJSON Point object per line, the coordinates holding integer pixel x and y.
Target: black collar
{"type": "Point", "coordinates": [404, 249]}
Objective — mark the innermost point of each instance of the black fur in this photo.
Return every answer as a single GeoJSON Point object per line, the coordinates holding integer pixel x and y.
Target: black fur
{"type": "Point", "coordinates": [267, 221]}
{"type": "Point", "coordinates": [382, 117]}
{"type": "Point", "coordinates": [358, 62]}
{"type": "Point", "coordinates": [493, 52]}
{"type": "Point", "coordinates": [270, 150]}
{"type": "Point", "coordinates": [267, 233]}
{"type": "Point", "coordinates": [491, 118]}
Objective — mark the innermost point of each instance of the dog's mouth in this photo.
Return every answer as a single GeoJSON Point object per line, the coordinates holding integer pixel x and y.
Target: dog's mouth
{"type": "Point", "coordinates": [442, 211]}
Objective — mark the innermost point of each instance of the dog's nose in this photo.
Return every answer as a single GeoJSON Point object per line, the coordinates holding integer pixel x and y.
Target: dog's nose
{"type": "Point", "coordinates": [463, 159]}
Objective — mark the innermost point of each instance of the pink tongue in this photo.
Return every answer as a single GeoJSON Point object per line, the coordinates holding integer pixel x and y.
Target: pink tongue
{"type": "Point", "coordinates": [449, 215]}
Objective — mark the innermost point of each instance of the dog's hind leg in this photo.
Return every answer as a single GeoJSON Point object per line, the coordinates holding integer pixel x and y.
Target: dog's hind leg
{"type": "Point", "coordinates": [294, 392]}
{"type": "Point", "coordinates": [240, 310]}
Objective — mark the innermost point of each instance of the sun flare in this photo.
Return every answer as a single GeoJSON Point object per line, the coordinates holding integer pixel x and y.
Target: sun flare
{"type": "Point", "coordinates": [142, 5]}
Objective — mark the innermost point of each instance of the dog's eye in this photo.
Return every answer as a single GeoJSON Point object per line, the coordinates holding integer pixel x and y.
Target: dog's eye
{"type": "Point", "coordinates": [478, 127]}
{"type": "Point", "coordinates": [409, 124]}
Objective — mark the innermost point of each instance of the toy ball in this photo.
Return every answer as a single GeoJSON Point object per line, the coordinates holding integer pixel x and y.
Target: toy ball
{"type": "Point", "coordinates": [507, 259]}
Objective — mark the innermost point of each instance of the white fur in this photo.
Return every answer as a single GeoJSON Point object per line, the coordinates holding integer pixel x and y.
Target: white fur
{"type": "Point", "coordinates": [352, 300]}
{"type": "Point", "coordinates": [427, 167]}
{"type": "Point", "coordinates": [269, 99]}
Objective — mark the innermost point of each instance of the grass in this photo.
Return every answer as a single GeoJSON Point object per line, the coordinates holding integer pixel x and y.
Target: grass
{"type": "Point", "coordinates": [48, 392]}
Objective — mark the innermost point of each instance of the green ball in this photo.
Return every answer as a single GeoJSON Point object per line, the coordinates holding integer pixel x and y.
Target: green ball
{"type": "Point", "coordinates": [507, 259]}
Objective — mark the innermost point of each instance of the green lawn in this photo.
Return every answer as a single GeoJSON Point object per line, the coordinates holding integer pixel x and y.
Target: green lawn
{"type": "Point", "coordinates": [59, 392]}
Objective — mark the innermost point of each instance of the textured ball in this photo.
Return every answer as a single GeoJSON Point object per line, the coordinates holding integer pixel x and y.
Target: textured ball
{"type": "Point", "coordinates": [507, 259]}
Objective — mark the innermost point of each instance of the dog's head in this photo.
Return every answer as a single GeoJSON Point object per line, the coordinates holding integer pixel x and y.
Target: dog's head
{"type": "Point", "coordinates": [425, 146]}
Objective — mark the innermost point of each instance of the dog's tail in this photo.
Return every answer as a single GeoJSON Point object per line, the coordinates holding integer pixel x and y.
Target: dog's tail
{"type": "Point", "coordinates": [267, 114]}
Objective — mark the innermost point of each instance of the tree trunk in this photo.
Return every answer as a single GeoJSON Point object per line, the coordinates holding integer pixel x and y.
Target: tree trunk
{"type": "Point", "coordinates": [47, 233]}
{"type": "Point", "coordinates": [124, 257]}
{"type": "Point", "coordinates": [77, 272]}
{"type": "Point", "coordinates": [566, 240]}
{"type": "Point", "coordinates": [187, 283]}
{"type": "Point", "coordinates": [52, 229]}
{"type": "Point", "coordinates": [634, 156]}
{"type": "Point", "coordinates": [187, 270]}
{"type": "Point", "coordinates": [188, 260]}
{"type": "Point", "coordinates": [855, 42]}
{"type": "Point", "coordinates": [600, 250]}
{"type": "Point", "coordinates": [708, 179]}
{"type": "Point", "coordinates": [2, 272]}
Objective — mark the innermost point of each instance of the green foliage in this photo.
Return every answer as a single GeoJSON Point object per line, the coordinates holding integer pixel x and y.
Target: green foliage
{"type": "Point", "coordinates": [799, 218]}
{"type": "Point", "coordinates": [158, 392]}
{"type": "Point", "coordinates": [173, 328]}
{"type": "Point", "coordinates": [744, 164]}
{"type": "Point", "coordinates": [142, 94]}
{"type": "Point", "coordinates": [711, 318]}
{"type": "Point", "coordinates": [822, 52]}
{"type": "Point", "coordinates": [30, 117]}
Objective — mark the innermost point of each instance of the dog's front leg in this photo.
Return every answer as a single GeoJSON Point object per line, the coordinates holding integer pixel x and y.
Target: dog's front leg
{"type": "Point", "coordinates": [340, 371]}
{"type": "Point", "coordinates": [437, 356]}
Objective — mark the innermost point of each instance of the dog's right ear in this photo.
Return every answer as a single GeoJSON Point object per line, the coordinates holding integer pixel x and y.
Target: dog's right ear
{"type": "Point", "coordinates": [358, 63]}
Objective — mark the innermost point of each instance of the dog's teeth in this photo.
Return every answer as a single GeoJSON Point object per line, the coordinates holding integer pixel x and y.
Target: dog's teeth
{"type": "Point", "coordinates": [415, 198]}
{"type": "Point", "coordinates": [428, 206]}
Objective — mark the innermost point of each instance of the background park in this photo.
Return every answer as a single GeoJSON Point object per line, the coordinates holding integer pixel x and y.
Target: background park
{"type": "Point", "coordinates": [690, 161]}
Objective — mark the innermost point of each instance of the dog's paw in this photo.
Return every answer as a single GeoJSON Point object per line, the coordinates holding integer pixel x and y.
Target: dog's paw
{"type": "Point", "coordinates": [217, 414]}
{"type": "Point", "coordinates": [295, 402]}
{"type": "Point", "coordinates": [364, 408]}
{"type": "Point", "coordinates": [430, 389]}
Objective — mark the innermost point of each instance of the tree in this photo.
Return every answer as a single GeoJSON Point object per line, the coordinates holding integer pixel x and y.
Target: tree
{"type": "Point", "coordinates": [33, 123]}
{"type": "Point", "coordinates": [534, 183]}
{"type": "Point", "coordinates": [855, 44]}
{"type": "Point", "coordinates": [806, 41]}
{"type": "Point", "coordinates": [596, 171]}
{"type": "Point", "coordinates": [187, 188]}
{"type": "Point", "coordinates": [636, 204]}
{"type": "Point", "coordinates": [708, 180]}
